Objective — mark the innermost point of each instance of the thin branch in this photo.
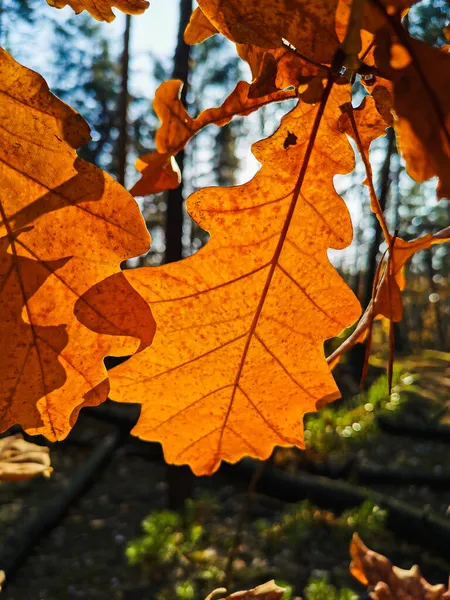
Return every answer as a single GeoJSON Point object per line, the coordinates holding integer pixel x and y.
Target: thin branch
{"type": "Point", "coordinates": [292, 48]}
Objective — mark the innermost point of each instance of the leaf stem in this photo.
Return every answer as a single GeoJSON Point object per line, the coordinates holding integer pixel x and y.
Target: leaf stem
{"type": "Point", "coordinates": [279, 247]}
{"type": "Point", "coordinates": [287, 44]}
{"type": "Point", "coordinates": [375, 203]}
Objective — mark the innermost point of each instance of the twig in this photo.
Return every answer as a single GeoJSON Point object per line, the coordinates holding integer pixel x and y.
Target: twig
{"type": "Point", "coordinates": [292, 48]}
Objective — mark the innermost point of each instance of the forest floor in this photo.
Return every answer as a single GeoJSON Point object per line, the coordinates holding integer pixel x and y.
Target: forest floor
{"type": "Point", "coordinates": [299, 545]}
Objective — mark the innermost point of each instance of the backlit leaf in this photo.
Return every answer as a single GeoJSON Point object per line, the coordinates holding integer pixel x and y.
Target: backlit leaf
{"type": "Point", "coordinates": [65, 227]}
{"type": "Point", "coordinates": [158, 169]}
{"type": "Point", "coordinates": [238, 357]}
{"type": "Point", "coordinates": [420, 104]}
{"type": "Point", "coordinates": [388, 301]}
{"type": "Point", "coordinates": [101, 9]}
{"type": "Point", "coordinates": [199, 28]}
{"type": "Point", "coordinates": [309, 26]}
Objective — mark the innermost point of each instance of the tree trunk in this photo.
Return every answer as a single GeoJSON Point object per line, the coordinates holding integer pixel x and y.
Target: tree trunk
{"type": "Point", "coordinates": [436, 305]}
{"type": "Point", "coordinates": [179, 479]}
{"type": "Point", "coordinates": [175, 201]}
{"type": "Point", "coordinates": [122, 142]}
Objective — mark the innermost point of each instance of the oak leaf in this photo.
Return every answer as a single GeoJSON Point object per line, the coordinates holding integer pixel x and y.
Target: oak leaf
{"type": "Point", "coordinates": [101, 9]}
{"type": "Point", "coordinates": [392, 307]}
{"type": "Point", "coordinates": [388, 301]}
{"type": "Point", "coordinates": [238, 355]}
{"type": "Point", "coordinates": [309, 26]}
{"type": "Point", "coordinates": [199, 28]}
{"type": "Point", "coordinates": [65, 227]}
{"type": "Point", "coordinates": [279, 68]}
{"type": "Point", "coordinates": [414, 93]}
{"type": "Point", "coordinates": [20, 460]}
{"type": "Point", "coordinates": [272, 70]}
{"type": "Point", "coordinates": [266, 591]}
{"type": "Point", "coordinates": [158, 169]}
{"type": "Point", "coordinates": [387, 581]}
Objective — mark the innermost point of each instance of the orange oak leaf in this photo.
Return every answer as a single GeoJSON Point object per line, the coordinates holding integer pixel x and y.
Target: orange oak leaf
{"type": "Point", "coordinates": [388, 297]}
{"type": "Point", "coordinates": [387, 581]}
{"type": "Point", "coordinates": [266, 591]}
{"type": "Point", "coordinates": [272, 70]}
{"type": "Point", "coordinates": [309, 26]}
{"type": "Point", "coordinates": [65, 227]}
{"type": "Point", "coordinates": [415, 90]}
{"type": "Point", "coordinates": [177, 128]}
{"type": "Point", "coordinates": [20, 460]}
{"type": "Point", "coordinates": [238, 357]}
{"type": "Point", "coordinates": [402, 252]}
{"type": "Point", "coordinates": [316, 29]}
{"type": "Point", "coordinates": [277, 69]}
{"type": "Point", "coordinates": [159, 172]}
{"type": "Point", "coordinates": [101, 9]}
{"type": "Point", "coordinates": [199, 28]}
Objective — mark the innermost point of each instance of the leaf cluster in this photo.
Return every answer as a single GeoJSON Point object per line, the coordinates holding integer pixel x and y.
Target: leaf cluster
{"type": "Point", "coordinates": [227, 345]}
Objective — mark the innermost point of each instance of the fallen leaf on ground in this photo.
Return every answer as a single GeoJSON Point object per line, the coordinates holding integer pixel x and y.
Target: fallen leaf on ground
{"type": "Point", "coordinates": [21, 460]}
{"type": "Point", "coordinates": [388, 582]}
{"type": "Point", "coordinates": [266, 591]}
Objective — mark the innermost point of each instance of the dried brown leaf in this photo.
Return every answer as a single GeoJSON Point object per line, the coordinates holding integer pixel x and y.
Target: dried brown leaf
{"type": "Point", "coordinates": [21, 460]}
{"type": "Point", "coordinates": [388, 582]}
{"type": "Point", "coordinates": [266, 591]}
{"type": "Point", "coordinates": [199, 28]}
{"type": "Point", "coordinates": [412, 95]}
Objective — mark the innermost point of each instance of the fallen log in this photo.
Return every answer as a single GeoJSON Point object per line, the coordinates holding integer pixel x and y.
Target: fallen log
{"type": "Point", "coordinates": [438, 432]}
{"type": "Point", "coordinates": [421, 526]}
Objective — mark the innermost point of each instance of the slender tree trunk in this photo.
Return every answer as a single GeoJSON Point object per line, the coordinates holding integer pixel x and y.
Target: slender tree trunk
{"type": "Point", "coordinates": [436, 305]}
{"type": "Point", "coordinates": [175, 201]}
{"type": "Point", "coordinates": [122, 142]}
{"type": "Point", "coordinates": [179, 479]}
{"type": "Point", "coordinates": [375, 245]}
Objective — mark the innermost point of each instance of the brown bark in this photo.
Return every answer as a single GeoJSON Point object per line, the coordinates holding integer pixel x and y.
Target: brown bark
{"type": "Point", "coordinates": [440, 330]}
{"type": "Point", "coordinates": [175, 200]}
{"type": "Point", "coordinates": [122, 142]}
